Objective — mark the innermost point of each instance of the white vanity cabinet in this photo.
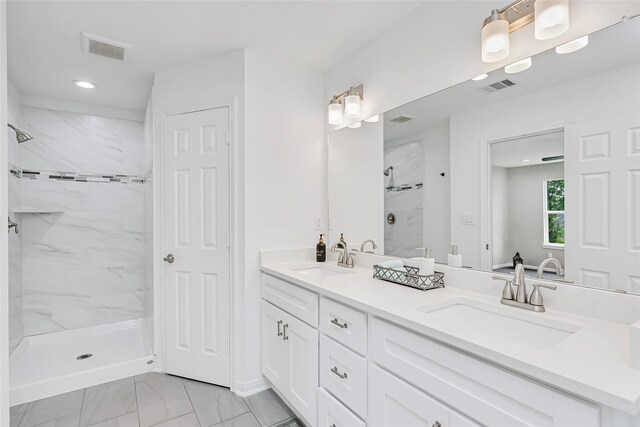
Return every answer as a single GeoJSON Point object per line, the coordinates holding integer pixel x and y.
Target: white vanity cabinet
{"type": "Point", "coordinates": [290, 346]}
{"type": "Point", "coordinates": [340, 366]}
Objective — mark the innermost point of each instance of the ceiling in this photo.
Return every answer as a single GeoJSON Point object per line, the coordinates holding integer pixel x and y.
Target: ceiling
{"type": "Point", "coordinates": [45, 55]}
{"type": "Point", "coordinates": [608, 49]}
{"type": "Point", "coordinates": [527, 151]}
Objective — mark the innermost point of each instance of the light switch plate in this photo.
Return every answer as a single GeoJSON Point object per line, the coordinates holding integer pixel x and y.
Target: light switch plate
{"type": "Point", "coordinates": [318, 222]}
{"type": "Point", "coordinates": [467, 219]}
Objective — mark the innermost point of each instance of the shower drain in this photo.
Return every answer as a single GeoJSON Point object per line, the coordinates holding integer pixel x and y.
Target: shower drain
{"type": "Point", "coordinates": [84, 356]}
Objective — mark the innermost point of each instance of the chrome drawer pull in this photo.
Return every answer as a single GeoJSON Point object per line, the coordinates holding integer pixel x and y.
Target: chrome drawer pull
{"type": "Point", "coordinates": [279, 331]}
{"type": "Point", "coordinates": [338, 324]}
{"type": "Point", "coordinates": [335, 371]}
{"type": "Point", "coordinates": [284, 331]}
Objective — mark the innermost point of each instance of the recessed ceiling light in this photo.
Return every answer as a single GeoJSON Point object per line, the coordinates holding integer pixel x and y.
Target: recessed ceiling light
{"type": "Point", "coordinates": [85, 84]}
{"type": "Point", "coordinates": [526, 160]}
{"type": "Point", "coordinates": [480, 77]}
{"type": "Point", "coordinates": [573, 45]}
{"type": "Point", "coordinates": [356, 125]}
{"type": "Point", "coordinates": [518, 67]}
{"type": "Point", "coordinates": [372, 119]}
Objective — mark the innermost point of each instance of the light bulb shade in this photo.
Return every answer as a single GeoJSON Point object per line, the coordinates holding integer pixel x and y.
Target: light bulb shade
{"type": "Point", "coordinates": [495, 40]}
{"type": "Point", "coordinates": [373, 119]}
{"type": "Point", "coordinates": [352, 105]}
{"type": "Point", "coordinates": [551, 18]}
{"type": "Point", "coordinates": [519, 66]}
{"type": "Point", "coordinates": [356, 125]}
{"type": "Point", "coordinates": [335, 113]}
{"type": "Point", "coordinates": [573, 46]}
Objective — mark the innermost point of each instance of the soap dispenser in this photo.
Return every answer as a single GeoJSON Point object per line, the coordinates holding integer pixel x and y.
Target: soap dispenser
{"type": "Point", "coordinates": [426, 263]}
{"type": "Point", "coordinates": [454, 259]}
{"type": "Point", "coordinates": [321, 250]}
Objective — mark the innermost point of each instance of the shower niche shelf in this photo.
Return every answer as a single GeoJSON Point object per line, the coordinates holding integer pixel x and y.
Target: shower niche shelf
{"type": "Point", "coordinates": [37, 211]}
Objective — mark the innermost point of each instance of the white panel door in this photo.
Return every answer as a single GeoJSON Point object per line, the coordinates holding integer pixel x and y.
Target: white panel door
{"type": "Point", "coordinates": [302, 358]}
{"type": "Point", "coordinates": [394, 403]}
{"type": "Point", "coordinates": [196, 234]}
{"type": "Point", "coordinates": [602, 187]}
{"type": "Point", "coordinates": [273, 345]}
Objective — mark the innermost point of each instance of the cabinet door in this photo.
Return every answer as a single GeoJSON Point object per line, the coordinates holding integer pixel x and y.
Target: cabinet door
{"type": "Point", "coordinates": [394, 403]}
{"type": "Point", "coordinates": [302, 358]}
{"type": "Point", "coordinates": [273, 346]}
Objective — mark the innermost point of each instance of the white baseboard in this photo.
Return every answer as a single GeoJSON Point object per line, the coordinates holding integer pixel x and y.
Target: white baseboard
{"type": "Point", "coordinates": [245, 389]}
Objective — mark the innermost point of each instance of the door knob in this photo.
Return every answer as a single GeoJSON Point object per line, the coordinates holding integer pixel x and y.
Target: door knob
{"type": "Point", "coordinates": [169, 258]}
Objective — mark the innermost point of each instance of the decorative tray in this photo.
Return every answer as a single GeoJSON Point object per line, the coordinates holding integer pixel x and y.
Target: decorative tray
{"type": "Point", "coordinates": [409, 276]}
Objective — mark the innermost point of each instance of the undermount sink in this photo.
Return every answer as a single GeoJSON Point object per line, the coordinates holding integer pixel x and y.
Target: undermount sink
{"type": "Point", "coordinates": [320, 272]}
{"type": "Point", "coordinates": [468, 316]}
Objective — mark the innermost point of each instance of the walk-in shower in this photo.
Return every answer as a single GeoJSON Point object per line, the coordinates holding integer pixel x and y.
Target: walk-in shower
{"type": "Point", "coordinates": [80, 275]}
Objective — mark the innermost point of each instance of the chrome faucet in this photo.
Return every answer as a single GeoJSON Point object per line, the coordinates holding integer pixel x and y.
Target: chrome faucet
{"type": "Point", "coordinates": [543, 264]}
{"type": "Point", "coordinates": [345, 259]}
{"type": "Point", "coordinates": [373, 244]}
{"type": "Point", "coordinates": [533, 303]}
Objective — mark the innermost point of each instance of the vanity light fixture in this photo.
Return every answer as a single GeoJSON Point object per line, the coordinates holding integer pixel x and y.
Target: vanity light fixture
{"type": "Point", "coordinates": [480, 77]}
{"type": "Point", "coordinates": [355, 125]}
{"type": "Point", "coordinates": [335, 111]}
{"type": "Point", "coordinates": [85, 84]}
{"type": "Point", "coordinates": [573, 45]}
{"type": "Point", "coordinates": [373, 119]}
{"type": "Point", "coordinates": [346, 104]}
{"type": "Point", "coordinates": [550, 17]}
{"type": "Point", "coordinates": [518, 67]}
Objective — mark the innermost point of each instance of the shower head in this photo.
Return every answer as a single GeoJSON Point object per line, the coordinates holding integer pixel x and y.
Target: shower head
{"type": "Point", "coordinates": [387, 170]}
{"type": "Point", "coordinates": [20, 135]}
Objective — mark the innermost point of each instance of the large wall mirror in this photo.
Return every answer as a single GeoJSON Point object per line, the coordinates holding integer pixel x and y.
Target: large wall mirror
{"type": "Point", "coordinates": [540, 167]}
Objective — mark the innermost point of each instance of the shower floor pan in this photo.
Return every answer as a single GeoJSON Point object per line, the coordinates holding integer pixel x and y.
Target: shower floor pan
{"type": "Point", "coordinates": [50, 364]}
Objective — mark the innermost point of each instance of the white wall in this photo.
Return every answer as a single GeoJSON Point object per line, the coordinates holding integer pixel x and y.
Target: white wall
{"type": "Point", "coordinates": [411, 59]}
{"type": "Point", "coordinates": [278, 171]}
{"type": "Point", "coordinates": [356, 185]}
{"type": "Point", "coordinates": [603, 95]}
{"type": "Point", "coordinates": [437, 197]}
{"type": "Point", "coordinates": [500, 216]}
{"type": "Point", "coordinates": [523, 197]}
{"type": "Point", "coordinates": [284, 175]}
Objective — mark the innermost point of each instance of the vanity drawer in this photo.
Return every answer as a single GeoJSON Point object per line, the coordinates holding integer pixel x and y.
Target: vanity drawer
{"type": "Point", "coordinates": [293, 299]}
{"type": "Point", "coordinates": [344, 324]}
{"type": "Point", "coordinates": [344, 374]}
{"type": "Point", "coordinates": [333, 413]}
{"type": "Point", "coordinates": [474, 386]}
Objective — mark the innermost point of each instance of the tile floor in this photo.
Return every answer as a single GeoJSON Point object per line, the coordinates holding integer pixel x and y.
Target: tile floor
{"type": "Point", "coordinates": [154, 400]}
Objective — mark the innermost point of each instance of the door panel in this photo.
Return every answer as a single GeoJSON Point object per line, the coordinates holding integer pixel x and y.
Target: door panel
{"type": "Point", "coordinates": [273, 346]}
{"type": "Point", "coordinates": [302, 346]}
{"type": "Point", "coordinates": [602, 177]}
{"type": "Point", "coordinates": [196, 231]}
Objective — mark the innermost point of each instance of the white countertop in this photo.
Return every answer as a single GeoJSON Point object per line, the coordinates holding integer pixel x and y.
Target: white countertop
{"type": "Point", "coordinates": [592, 363]}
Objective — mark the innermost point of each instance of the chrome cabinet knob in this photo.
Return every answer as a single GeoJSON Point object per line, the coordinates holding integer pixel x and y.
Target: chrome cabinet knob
{"type": "Point", "coordinates": [169, 258]}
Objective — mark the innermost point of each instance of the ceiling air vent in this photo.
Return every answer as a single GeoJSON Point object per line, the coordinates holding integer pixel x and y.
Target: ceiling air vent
{"type": "Point", "coordinates": [103, 46]}
{"type": "Point", "coordinates": [503, 84]}
{"type": "Point", "coordinates": [401, 119]}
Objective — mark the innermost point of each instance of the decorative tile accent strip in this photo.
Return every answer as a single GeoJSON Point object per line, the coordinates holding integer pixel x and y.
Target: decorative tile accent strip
{"type": "Point", "coordinates": [76, 176]}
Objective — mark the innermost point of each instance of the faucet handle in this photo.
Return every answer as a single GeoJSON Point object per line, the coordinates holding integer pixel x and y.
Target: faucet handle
{"type": "Point", "coordinates": [507, 291]}
{"type": "Point", "coordinates": [536, 295]}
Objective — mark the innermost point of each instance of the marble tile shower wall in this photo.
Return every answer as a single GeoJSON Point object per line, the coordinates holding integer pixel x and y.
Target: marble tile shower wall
{"type": "Point", "coordinates": [83, 250]}
{"type": "Point", "coordinates": [16, 326]}
{"type": "Point", "coordinates": [405, 200]}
